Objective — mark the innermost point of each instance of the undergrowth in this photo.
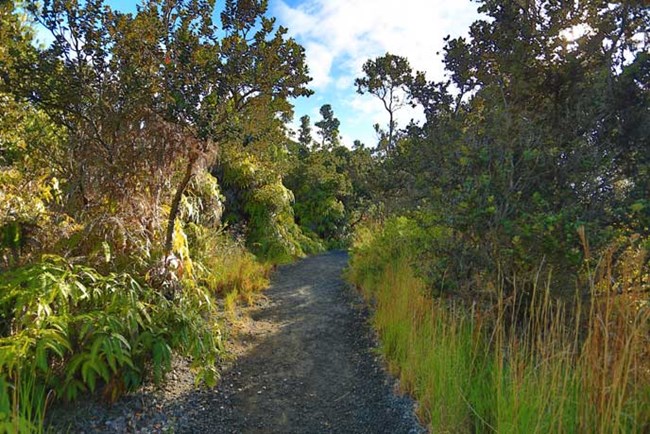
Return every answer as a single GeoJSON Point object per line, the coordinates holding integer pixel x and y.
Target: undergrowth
{"type": "Point", "coordinates": [224, 265]}
{"type": "Point", "coordinates": [518, 363]}
{"type": "Point", "coordinates": [68, 329]}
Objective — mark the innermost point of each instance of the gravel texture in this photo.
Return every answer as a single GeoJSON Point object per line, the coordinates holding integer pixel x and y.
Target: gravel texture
{"type": "Point", "coordinates": [306, 363]}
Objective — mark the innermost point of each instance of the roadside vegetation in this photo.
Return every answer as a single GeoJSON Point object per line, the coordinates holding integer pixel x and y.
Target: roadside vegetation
{"type": "Point", "coordinates": [149, 183]}
{"type": "Point", "coordinates": [144, 160]}
{"type": "Point", "coordinates": [510, 269]}
{"type": "Point", "coordinates": [507, 360]}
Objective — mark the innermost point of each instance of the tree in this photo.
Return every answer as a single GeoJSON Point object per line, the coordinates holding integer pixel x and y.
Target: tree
{"type": "Point", "coordinates": [321, 185]}
{"type": "Point", "coordinates": [540, 131]}
{"type": "Point", "coordinates": [388, 78]}
{"type": "Point", "coordinates": [143, 94]}
{"type": "Point", "coordinates": [361, 168]}
{"type": "Point", "coordinates": [328, 127]}
{"type": "Point", "coordinates": [304, 135]}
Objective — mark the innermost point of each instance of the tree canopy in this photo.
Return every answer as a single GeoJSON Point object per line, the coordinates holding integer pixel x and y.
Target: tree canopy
{"type": "Point", "coordinates": [539, 135]}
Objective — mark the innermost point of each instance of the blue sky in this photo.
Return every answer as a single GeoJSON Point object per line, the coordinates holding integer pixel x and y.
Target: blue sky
{"type": "Point", "coordinates": [340, 35]}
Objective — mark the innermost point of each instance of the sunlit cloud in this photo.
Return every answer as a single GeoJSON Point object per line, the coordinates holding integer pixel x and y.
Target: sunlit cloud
{"type": "Point", "coordinates": [340, 35]}
{"type": "Point", "coordinates": [353, 31]}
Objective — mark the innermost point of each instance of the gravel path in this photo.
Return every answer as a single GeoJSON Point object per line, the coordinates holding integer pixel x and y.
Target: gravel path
{"type": "Point", "coordinates": [308, 365]}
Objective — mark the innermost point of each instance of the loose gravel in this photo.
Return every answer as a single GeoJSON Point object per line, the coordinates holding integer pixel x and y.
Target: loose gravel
{"type": "Point", "coordinates": [306, 363]}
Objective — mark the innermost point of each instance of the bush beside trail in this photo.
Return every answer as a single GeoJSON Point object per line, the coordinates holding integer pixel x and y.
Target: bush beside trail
{"type": "Point", "coordinates": [524, 362]}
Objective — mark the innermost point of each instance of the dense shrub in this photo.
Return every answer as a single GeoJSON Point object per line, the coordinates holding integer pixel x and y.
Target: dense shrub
{"type": "Point", "coordinates": [259, 199]}
{"type": "Point", "coordinates": [67, 329]}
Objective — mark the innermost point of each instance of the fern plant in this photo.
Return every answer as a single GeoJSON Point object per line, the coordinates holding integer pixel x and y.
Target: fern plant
{"type": "Point", "coordinates": [70, 329]}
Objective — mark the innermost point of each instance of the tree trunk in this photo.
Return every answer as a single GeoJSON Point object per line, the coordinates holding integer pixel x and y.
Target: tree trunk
{"type": "Point", "coordinates": [173, 212]}
{"type": "Point", "coordinates": [391, 128]}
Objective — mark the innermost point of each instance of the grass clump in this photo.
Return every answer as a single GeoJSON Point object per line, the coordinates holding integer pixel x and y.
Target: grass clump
{"type": "Point", "coordinates": [509, 362]}
{"type": "Point", "coordinates": [224, 265]}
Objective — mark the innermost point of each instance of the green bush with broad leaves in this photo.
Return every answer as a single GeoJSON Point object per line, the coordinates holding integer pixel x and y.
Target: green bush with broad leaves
{"type": "Point", "coordinates": [67, 329]}
{"type": "Point", "coordinates": [259, 199]}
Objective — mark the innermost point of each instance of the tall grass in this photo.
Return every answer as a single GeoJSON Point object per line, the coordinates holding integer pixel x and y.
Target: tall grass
{"type": "Point", "coordinates": [525, 363]}
{"type": "Point", "coordinates": [225, 266]}
{"type": "Point", "coordinates": [22, 405]}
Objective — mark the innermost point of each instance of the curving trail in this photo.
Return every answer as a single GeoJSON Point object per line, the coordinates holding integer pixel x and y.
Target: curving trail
{"type": "Point", "coordinates": [310, 368]}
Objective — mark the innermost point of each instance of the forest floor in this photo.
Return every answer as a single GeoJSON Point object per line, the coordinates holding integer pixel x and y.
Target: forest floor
{"type": "Point", "coordinates": [305, 362]}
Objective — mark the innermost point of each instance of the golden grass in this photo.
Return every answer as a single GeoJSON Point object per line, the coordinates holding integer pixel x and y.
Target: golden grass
{"type": "Point", "coordinates": [226, 267]}
{"type": "Point", "coordinates": [525, 364]}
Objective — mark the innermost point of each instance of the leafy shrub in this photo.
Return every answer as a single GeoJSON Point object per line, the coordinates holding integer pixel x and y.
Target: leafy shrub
{"type": "Point", "coordinates": [202, 202]}
{"type": "Point", "coordinates": [259, 199]}
{"type": "Point", "coordinates": [70, 329]}
{"type": "Point", "coordinates": [29, 184]}
{"type": "Point", "coordinates": [321, 186]}
{"type": "Point", "coordinates": [377, 244]}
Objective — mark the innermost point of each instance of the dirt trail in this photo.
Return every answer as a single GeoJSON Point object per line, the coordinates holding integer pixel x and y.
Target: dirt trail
{"type": "Point", "coordinates": [306, 364]}
{"type": "Point", "coordinates": [311, 368]}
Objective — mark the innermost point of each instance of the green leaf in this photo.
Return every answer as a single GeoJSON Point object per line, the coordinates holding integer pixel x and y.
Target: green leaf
{"type": "Point", "coordinates": [107, 252]}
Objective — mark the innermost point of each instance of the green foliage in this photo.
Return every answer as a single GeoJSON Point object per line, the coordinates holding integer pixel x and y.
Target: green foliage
{"type": "Point", "coordinates": [328, 127]}
{"type": "Point", "coordinates": [272, 230]}
{"type": "Point", "coordinates": [202, 202]}
{"type": "Point", "coordinates": [513, 296]}
{"type": "Point", "coordinates": [376, 244]}
{"type": "Point", "coordinates": [105, 136]}
{"type": "Point", "coordinates": [70, 330]}
{"type": "Point", "coordinates": [29, 187]}
{"type": "Point", "coordinates": [305, 139]}
{"type": "Point", "coordinates": [145, 99]}
{"type": "Point", "coordinates": [332, 187]}
{"type": "Point", "coordinates": [518, 364]}
{"type": "Point", "coordinates": [541, 138]}
{"type": "Point", "coordinates": [320, 186]}
{"type": "Point", "coordinates": [264, 204]}
{"type": "Point", "coordinates": [22, 408]}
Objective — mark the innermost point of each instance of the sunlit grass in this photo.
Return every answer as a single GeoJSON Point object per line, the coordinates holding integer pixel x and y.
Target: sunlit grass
{"type": "Point", "coordinates": [22, 406]}
{"type": "Point", "coordinates": [522, 364]}
{"type": "Point", "coordinates": [226, 267]}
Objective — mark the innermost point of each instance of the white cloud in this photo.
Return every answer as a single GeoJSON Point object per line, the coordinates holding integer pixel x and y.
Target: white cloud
{"type": "Point", "coordinates": [340, 35]}
{"type": "Point", "coordinates": [372, 112]}
{"type": "Point", "coordinates": [368, 109]}
{"type": "Point", "coordinates": [344, 82]}
{"type": "Point", "coordinates": [320, 64]}
{"type": "Point", "coordinates": [347, 139]}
